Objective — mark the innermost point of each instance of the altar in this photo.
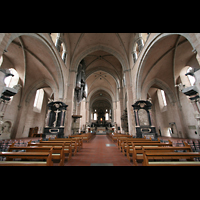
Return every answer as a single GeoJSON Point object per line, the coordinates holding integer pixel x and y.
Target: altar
{"type": "Point", "coordinates": [143, 120]}
{"type": "Point", "coordinates": [54, 123]}
{"type": "Point", "coordinates": [101, 130]}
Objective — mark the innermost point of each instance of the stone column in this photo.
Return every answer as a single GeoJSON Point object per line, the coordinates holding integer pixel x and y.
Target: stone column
{"type": "Point", "coordinates": [70, 103]}
{"type": "Point", "coordinates": [62, 118]}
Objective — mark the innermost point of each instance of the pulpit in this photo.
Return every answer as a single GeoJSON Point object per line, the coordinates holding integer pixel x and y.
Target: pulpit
{"type": "Point", "coordinates": [54, 124]}
{"type": "Point", "coordinates": [143, 120]}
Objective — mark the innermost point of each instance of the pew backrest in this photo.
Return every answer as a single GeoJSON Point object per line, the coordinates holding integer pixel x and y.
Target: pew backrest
{"type": "Point", "coordinates": [27, 155]}
{"type": "Point", "coordinates": [157, 156]}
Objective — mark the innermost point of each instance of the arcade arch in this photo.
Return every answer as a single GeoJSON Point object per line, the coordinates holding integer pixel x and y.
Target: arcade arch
{"type": "Point", "coordinates": [104, 76]}
{"type": "Point", "coordinates": [163, 67]}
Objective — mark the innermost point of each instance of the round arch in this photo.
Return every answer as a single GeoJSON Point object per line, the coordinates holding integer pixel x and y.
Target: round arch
{"type": "Point", "coordinates": [45, 41]}
{"type": "Point", "coordinates": [104, 69]}
{"type": "Point", "coordinates": [156, 38]}
{"type": "Point", "coordinates": [162, 85]}
{"type": "Point", "coordinates": [100, 89]}
{"type": "Point", "coordinates": [93, 48]}
{"type": "Point", "coordinates": [38, 85]}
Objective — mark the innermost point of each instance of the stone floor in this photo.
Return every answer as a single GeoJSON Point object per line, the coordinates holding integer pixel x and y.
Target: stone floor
{"type": "Point", "coordinates": [100, 151]}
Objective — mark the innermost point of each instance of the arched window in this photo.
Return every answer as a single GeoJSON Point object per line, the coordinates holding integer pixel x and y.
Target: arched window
{"type": "Point", "coordinates": [163, 97]}
{"type": "Point", "coordinates": [95, 116]}
{"type": "Point", "coordinates": [191, 78]}
{"type": "Point", "coordinates": [162, 100]}
{"type": "Point", "coordinates": [1, 60]}
{"type": "Point", "coordinates": [138, 46]}
{"type": "Point", "coordinates": [145, 36]}
{"type": "Point", "coordinates": [54, 37]}
{"type": "Point", "coordinates": [37, 106]}
{"type": "Point", "coordinates": [107, 115]}
{"type": "Point", "coordinates": [59, 44]}
{"type": "Point", "coordinates": [11, 81]}
{"type": "Point", "coordinates": [188, 80]}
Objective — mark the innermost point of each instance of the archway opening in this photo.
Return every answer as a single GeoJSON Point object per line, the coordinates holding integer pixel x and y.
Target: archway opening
{"type": "Point", "coordinates": [101, 109]}
{"type": "Point", "coordinates": [164, 68]}
{"type": "Point", "coordinates": [104, 77]}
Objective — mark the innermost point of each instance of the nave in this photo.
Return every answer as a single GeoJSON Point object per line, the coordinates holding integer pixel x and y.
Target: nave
{"type": "Point", "coordinates": [97, 150]}
{"type": "Point", "coordinates": [100, 151]}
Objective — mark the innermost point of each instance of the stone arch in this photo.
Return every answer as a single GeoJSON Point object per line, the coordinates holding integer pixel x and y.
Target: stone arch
{"type": "Point", "coordinates": [4, 38]}
{"type": "Point", "coordinates": [156, 38]}
{"type": "Point", "coordinates": [38, 85]}
{"type": "Point", "coordinates": [45, 41]}
{"type": "Point", "coordinates": [162, 85]}
{"type": "Point", "coordinates": [104, 70]}
{"type": "Point", "coordinates": [97, 89]}
{"type": "Point", "coordinates": [93, 48]}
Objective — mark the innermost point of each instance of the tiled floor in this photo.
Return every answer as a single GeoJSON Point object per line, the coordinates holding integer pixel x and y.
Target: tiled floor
{"type": "Point", "coordinates": [96, 151]}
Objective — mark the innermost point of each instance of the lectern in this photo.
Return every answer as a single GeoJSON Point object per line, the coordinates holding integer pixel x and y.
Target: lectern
{"type": "Point", "coordinates": [54, 124]}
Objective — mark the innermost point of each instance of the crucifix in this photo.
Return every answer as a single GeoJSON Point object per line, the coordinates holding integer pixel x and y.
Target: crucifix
{"type": "Point", "coordinates": [54, 123]}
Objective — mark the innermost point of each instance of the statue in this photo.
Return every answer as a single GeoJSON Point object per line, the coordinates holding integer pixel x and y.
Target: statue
{"type": "Point", "coordinates": [5, 130]}
{"type": "Point", "coordinates": [17, 87]}
{"type": "Point", "coordinates": [180, 86]}
{"type": "Point", "coordinates": [50, 100]}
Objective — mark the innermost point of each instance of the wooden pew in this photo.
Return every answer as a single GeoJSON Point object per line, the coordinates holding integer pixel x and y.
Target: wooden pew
{"type": "Point", "coordinates": [79, 142]}
{"type": "Point", "coordinates": [85, 137]}
{"type": "Point", "coordinates": [73, 143]}
{"type": "Point", "coordinates": [67, 147]}
{"type": "Point", "coordinates": [186, 148]}
{"type": "Point", "coordinates": [137, 152]}
{"type": "Point", "coordinates": [127, 145]}
{"type": "Point", "coordinates": [157, 156]}
{"type": "Point", "coordinates": [115, 137]}
{"type": "Point", "coordinates": [120, 139]}
{"type": "Point", "coordinates": [57, 152]}
{"type": "Point", "coordinates": [26, 155]}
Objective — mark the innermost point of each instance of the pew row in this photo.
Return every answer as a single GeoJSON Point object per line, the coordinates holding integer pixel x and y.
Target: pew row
{"type": "Point", "coordinates": [57, 151]}
{"type": "Point", "coordinates": [125, 143]}
{"type": "Point", "coordinates": [85, 137]}
{"type": "Point", "coordinates": [74, 145]}
{"type": "Point", "coordinates": [115, 137]}
{"type": "Point", "coordinates": [135, 149]}
{"type": "Point", "coordinates": [186, 148]}
{"type": "Point", "coordinates": [79, 141]}
{"type": "Point", "coordinates": [47, 156]}
{"type": "Point", "coordinates": [182, 158]}
{"type": "Point", "coordinates": [67, 147]}
{"type": "Point", "coordinates": [121, 139]}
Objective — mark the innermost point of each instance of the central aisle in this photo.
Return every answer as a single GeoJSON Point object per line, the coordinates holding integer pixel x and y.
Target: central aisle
{"type": "Point", "coordinates": [98, 152]}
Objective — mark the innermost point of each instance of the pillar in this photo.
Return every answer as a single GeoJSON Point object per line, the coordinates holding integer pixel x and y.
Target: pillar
{"type": "Point", "coordinates": [70, 102]}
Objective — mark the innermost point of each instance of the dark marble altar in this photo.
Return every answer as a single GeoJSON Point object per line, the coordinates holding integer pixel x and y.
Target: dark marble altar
{"type": "Point", "coordinates": [54, 125]}
{"type": "Point", "coordinates": [143, 121]}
